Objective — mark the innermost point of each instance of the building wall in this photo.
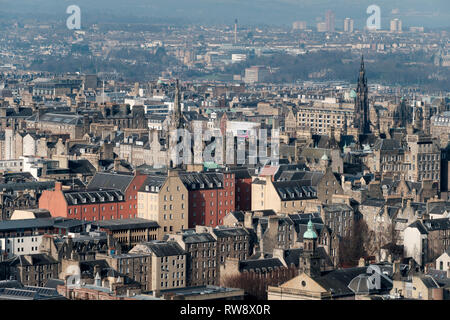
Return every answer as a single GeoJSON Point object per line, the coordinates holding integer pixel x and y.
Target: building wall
{"type": "Point", "coordinates": [167, 271]}
{"type": "Point", "coordinates": [413, 245]}
{"type": "Point", "coordinates": [20, 245]}
{"type": "Point", "coordinates": [243, 194]}
{"type": "Point", "coordinates": [208, 207]}
{"type": "Point", "coordinates": [168, 206]}
{"type": "Point", "coordinates": [54, 201]}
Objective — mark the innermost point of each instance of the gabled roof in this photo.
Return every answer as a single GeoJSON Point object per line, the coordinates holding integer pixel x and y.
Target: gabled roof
{"type": "Point", "coordinates": [202, 180]}
{"type": "Point", "coordinates": [294, 190]}
{"type": "Point", "coordinates": [153, 183]}
{"type": "Point", "coordinates": [93, 196]}
{"type": "Point", "coordinates": [164, 249]}
{"type": "Point", "coordinates": [110, 181]}
{"type": "Point", "coordinates": [260, 264]}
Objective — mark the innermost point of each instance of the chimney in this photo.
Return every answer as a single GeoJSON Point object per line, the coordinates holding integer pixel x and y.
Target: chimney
{"type": "Point", "coordinates": [58, 186]}
{"type": "Point", "coordinates": [396, 267]}
{"type": "Point", "coordinates": [116, 164]}
{"type": "Point", "coordinates": [157, 293]}
{"type": "Point", "coordinates": [248, 220]}
{"type": "Point", "coordinates": [361, 262]}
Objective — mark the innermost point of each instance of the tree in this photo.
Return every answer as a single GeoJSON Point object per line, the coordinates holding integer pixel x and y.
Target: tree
{"type": "Point", "coordinates": [356, 245]}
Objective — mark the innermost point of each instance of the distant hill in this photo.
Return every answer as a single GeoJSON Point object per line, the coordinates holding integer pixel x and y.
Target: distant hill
{"type": "Point", "coordinates": [429, 13]}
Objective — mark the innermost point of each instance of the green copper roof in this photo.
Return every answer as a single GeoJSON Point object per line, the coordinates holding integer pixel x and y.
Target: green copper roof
{"type": "Point", "coordinates": [210, 165]}
{"type": "Point", "coordinates": [310, 233]}
{"type": "Point", "coordinates": [353, 94]}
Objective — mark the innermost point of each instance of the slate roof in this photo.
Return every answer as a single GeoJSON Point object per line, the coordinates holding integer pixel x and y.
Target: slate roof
{"type": "Point", "coordinates": [238, 215]}
{"type": "Point", "coordinates": [20, 186]}
{"type": "Point", "coordinates": [373, 202]}
{"type": "Point", "coordinates": [241, 173]}
{"type": "Point", "coordinates": [438, 207]}
{"type": "Point", "coordinates": [260, 264]}
{"type": "Point", "coordinates": [93, 196]}
{"type": "Point", "coordinates": [123, 224]}
{"type": "Point", "coordinates": [164, 249]}
{"type": "Point", "coordinates": [202, 180]}
{"type": "Point", "coordinates": [20, 113]}
{"type": "Point", "coordinates": [224, 232]}
{"type": "Point", "coordinates": [152, 182]}
{"type": "Point", "coordinates": [294, 190]}
{"type": "Point", "coordinates": [190, 237]}
{"type": "Point", "coordinates": [437, 224]}
{"type": "Point", "coordinates": [419, 226]}
{"type": "Point", "coordinates": [387, 145]}
{"type": "Point", "coordinates": [32, 260]}
{"type": "Point", "coordinates": [110, 181]}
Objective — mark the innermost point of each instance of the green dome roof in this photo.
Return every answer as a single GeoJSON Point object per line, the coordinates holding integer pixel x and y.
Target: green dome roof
{"type": "Point", "coordinates": [352, 94]}
{"type": "Point", "coordinates": [310, 233]}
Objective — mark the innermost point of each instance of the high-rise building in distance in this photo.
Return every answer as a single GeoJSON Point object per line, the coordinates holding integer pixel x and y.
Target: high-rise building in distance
{"type": "Point", "coordinates": [396, 25]}
{"type": "Point", "coordinates": [329, 20]}
{"type": "Point", "coordinates": [321, 27]}
{"type": "Point", "coordinates": [348, 25]}
{"type": "Point", "coordinates": [299, 25]}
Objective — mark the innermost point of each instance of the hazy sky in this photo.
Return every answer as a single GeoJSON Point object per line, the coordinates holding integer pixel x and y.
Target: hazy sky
{"type": "Point", "coordinates": [428, 13]}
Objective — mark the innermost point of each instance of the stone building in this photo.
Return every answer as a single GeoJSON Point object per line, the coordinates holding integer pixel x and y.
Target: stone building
{"type": "Point", "coordinates": [167, 266]}
{"type": "Point", "coordinates": [31, 269]}
{"type": "Point", "coordinates": [164, 199]}
{"type": "Point", "coordinates": [202, 266]}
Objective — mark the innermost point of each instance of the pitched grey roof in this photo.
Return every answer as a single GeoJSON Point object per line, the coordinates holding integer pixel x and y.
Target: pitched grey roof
{"type": "Point", "coordinates": [387, 145]}
{"type": "Point", "coordinates": [223, 232]}
{"type": "Point", "coordinates": [93, 196]}
{"type": "Point", "coordinates": [153, 183]}
{"type": "Point", "coordinates": [193, 237]}
{"type": "Point", "coordinates": [294, 190]}
{"type": "Point", "coordinates": [110, 181]}
{"type": "Point", "coordinates": [123, 224]}
{"type": "Point", "coordinates": [202, 180]}
{"type": "Point", "coordinates": [437, 224]}
{"type": "Point", "coordinates": [164, 249]}
{"type": "Point", "coordinates": [260, 264]}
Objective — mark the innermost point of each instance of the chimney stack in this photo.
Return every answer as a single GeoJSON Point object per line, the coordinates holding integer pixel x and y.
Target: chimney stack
{"type": "Point", "coordinates": [58, 186]}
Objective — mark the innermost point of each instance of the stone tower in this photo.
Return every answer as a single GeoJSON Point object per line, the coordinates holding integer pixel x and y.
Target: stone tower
{"type": "Point", "coordinates": [176, 122]}
{"type": "Point", "coordinates": [362, 122]}
{"type": "Point", "coordinates": [310, 259]}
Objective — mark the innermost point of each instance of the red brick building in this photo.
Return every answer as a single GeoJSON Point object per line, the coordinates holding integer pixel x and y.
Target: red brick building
{"type": "Point", "coordinates": [107, 197]}
{"type": "Point", "coordinates": [243, 198]}
{"type": "Point", "coordinates": [211, 196]}
{"type": "Point", "coordinates": [88, 205]}
{"type": "Point", "coordinates": [128, 184]}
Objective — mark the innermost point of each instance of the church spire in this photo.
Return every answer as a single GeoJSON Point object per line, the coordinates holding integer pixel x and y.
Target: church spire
{"type": "Point", "coordinates": [361, 120]}
{"type": "Point", "coordinates": [177, 107]}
